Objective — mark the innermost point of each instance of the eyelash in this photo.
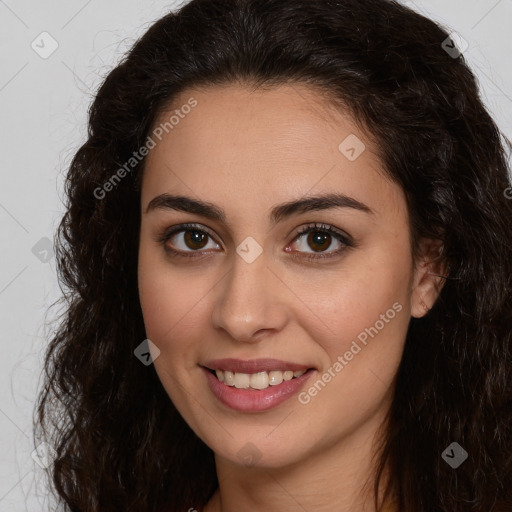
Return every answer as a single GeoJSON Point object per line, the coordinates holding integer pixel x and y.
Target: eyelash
{"type": "Point", "coordinates": [313, 227]}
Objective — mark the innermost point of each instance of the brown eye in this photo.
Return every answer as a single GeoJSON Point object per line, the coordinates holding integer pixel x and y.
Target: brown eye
{"type": "Point", "coordinates": [320, 237]}
{"type": "Point", "coordinates": [187, 240]}
{"type": "Point", "coordinates": [195, 239]}
{"type": "Point", "coordinates": [318, 240]}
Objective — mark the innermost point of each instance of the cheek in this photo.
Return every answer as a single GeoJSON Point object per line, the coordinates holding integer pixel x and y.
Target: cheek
{"type": "Point", "coordinates": [167, 307]}
{"type": "Point", "coordinates": [369, 289]}
{"type": "Point", "coordinates": [159, 295]}
{"type": "Point", "coordinates": [168, 313]}
{"type": "Point", "coordinates": [367, 316]}
{"type": "Point", "coordinates": [173, 303]}
{"type": "Point", "coordinates": [367, 319]}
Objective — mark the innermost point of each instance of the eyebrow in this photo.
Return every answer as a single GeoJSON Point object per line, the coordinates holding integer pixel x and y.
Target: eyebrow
{"type": "Point", "coordinates": [277, 214]}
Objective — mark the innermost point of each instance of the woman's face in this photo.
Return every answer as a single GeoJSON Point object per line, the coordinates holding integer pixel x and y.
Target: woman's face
{"type": "Point", "coordinates": [244, 286]}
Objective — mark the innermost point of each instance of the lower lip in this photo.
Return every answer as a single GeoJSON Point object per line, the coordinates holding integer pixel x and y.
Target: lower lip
{"type": "Point", "coordinates": [255, 400]}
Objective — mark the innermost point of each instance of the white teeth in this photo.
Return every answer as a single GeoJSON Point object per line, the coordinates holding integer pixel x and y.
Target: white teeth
{"type": "Point", "coordinates": [260, 380]}
{"type": "Point", "coordinates": [288, 375]}
{"type": "Point", "coordinates": [275, 378]}
{"type": "Point", "coordinates": [242, 380]}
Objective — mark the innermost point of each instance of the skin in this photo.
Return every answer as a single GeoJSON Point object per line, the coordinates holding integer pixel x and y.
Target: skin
{"type": "Point", "coordinates": [246, 151]}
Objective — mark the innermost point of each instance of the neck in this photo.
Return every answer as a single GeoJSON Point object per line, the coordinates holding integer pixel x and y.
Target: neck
{"type": "Point", "coordinates": [339, 476]}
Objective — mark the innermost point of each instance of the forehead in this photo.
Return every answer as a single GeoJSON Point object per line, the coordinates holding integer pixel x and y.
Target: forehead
{"type": "Point", "coordinates": [287, 122]}
{"type": "Point", "coordinates": [265, 145]}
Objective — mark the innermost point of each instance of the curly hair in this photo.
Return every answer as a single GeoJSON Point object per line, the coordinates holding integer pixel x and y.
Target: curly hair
{"type": "Point", "coordinates": [119, 442]}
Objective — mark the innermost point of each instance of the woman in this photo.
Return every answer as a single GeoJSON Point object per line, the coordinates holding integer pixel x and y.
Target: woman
{"type": "Point", "coordinates": [288, 255]}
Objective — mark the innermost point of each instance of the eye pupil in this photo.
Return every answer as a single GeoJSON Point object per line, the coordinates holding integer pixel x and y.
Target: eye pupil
{"type": "Point", "coordinates": [195, 237]}
{"type": "Point", "coordinates": [319, 238]}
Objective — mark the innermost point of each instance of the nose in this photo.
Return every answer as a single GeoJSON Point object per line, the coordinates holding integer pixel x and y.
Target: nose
{"type": "Point", "coordinates": [251, 301]}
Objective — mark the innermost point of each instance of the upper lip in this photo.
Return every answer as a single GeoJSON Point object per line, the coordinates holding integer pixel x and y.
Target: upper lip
{"type": "Point", "coordinates": [254, 365]}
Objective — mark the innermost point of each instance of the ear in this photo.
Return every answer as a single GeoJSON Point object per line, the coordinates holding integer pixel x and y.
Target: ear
{"type": "Point", "coordinates": [430, 273]}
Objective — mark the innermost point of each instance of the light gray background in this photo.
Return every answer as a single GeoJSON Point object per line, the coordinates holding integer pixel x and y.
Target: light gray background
{"type": "Point", "coordinates": [44, 104]}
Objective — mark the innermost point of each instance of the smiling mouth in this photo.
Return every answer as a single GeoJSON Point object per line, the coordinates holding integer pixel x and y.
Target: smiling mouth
{"type": "Point", "coordinates": [256, 381]}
